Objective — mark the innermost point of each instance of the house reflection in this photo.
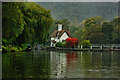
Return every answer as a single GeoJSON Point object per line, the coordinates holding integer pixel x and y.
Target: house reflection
{"type": "Point", "coordinates": [58, 64]}
{"type": "Point", "coordinates": [62, 63]}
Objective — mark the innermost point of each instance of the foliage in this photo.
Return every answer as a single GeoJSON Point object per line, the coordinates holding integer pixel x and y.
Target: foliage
{"type": "Point", "coordinates": [25, 23]}
{"type": "Point", "coordinates": [116, 30]}
{"type": "Point", "coordinates": [65, 23]}
{"type": "Point", "coordinates": [85, 43]}
{"type": "Point", "coordinates": [64, 45]}
{"type": "Point", "coordinates": [107, 30]}
{"type": "Point", "coordinates": [72, 42]}
{"type": "Point", "coordinates": [11, 48]}
{"type": "Point", "coordinates": [5, 42]}
{"type": "Point", "coordinates": [59, 44]}
{"type": "Point", "coordinates": [12, 20]}
{"type": "Point", "coordinates": [78, 33]}
{"type": "Point", "coordinates": [93, 33]}
{"type": "Point", "coordinates": [101, 31]}
{"type": "Point", "coordinates": [89, 22]}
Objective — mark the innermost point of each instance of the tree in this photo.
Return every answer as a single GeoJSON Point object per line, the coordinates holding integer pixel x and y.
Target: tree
{"type": "Point", "coordinates": [25, 23]}
{"type": "Point", "coordinates": [116, 30]}
{"type": "Point", "coordinates": [107, 30]}
{"type": "Point", "coordinates": [99, 20]}
{"type": "Point", "coordinates": [12, 20]}
{"type": "Point", "coordinates": [77, 33]}
{"type": "Point", "coordinates": [85, 43]}
{"type": "Point", "coordinates": [89, 21]}
{"type": "Point", "coordinates": [93, 33]}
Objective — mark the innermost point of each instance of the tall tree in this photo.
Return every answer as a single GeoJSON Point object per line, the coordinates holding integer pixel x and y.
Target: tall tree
{"type": "Point", "coordinates": [25, 23]}
{"type": "Point", "coordinates": [116, 28]}
{"type": "Point", "coordinates": [107, 30]}
{"type": "Point", "coordinates": [12, 20]}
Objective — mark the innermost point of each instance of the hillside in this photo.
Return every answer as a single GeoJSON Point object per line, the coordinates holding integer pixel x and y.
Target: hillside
{"type": "Point", "coordinates": [76, 12]}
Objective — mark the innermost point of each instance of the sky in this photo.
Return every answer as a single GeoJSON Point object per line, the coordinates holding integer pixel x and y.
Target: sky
{"type": "Point", "coordinates": [62, 0]}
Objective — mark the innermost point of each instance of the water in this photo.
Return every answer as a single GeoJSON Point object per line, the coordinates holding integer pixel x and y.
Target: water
{"type": "Point", "coordinates": [43, 64]}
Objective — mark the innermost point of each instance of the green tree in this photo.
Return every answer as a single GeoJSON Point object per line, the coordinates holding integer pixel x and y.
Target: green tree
{"type": "Point", "coordinates": [25, 23]}
{"type": "Point", "coordinates": [12, 20]}
{"type": "Point", "coordinates": [107, 30]}
{"type": "Point", "coordinates": [93, 33]}
{"type": "Point", "coordinates": [89, 21]}
{"type": "Point", "coordinates": [85, 43]}
{"type": "Point", "coordinates": [99, 20]}
{"type": "Point", "coordinates": [116, 28]}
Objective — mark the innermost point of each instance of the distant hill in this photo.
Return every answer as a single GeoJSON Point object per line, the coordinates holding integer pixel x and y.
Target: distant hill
{"type": "Point", "coordinates": [76, 12]}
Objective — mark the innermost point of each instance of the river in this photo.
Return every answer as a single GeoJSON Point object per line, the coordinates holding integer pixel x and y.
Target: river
{"type": "Point", "coordinates": [64, 64]}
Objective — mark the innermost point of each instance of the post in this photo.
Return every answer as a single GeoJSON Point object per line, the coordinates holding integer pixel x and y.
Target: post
{"type": "Point", "coordinates": [111, 47]}
{"type": "Point", "coordinates": [81, 46]}
{"type": "Point", "coordinates": [90, 47]}
{"type": "Point", "coordinates": [101, 47]}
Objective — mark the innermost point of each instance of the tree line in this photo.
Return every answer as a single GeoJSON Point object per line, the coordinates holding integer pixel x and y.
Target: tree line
{"type": "Point", "coordinates": [99, 31]}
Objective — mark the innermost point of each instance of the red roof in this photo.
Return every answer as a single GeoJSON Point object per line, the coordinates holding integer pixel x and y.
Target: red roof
{"type": "Point", "coordinates": [54, 34]}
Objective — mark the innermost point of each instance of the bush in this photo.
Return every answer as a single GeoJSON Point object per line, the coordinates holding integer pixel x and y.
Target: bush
{"type": "Point", "coordinates": [85, 43]}
{"type": "Point", "coordinates": [72, 42]}
{"type": "Point", "coordinates": [5, 42]}
{"type": "Point", "coordinates": [64, 45]}
{"type": "Point", "coordinates": [59, 44]}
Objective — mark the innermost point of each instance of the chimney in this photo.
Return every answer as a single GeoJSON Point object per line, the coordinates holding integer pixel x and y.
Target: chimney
{"type": "Point", "coordinates": [59, 27]}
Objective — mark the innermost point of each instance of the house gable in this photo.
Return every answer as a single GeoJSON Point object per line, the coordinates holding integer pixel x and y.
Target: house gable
{"type": "Point", "coordinates": [64, 36]}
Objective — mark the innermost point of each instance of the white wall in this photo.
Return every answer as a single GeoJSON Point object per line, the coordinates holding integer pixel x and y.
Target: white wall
{"type": "Point", "coordinates": [52, 44]}
{"type": "Point", "coordinates": [64, 36]}
{"type": "Point", "coordinates": [52, 38]}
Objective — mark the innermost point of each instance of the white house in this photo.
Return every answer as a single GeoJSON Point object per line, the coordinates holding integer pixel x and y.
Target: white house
{"type": "Point", "coordinates": [59, 35]}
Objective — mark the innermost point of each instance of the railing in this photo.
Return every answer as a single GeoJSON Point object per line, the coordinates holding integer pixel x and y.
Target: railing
{"type": "Point", "coordinates": [103, 46]}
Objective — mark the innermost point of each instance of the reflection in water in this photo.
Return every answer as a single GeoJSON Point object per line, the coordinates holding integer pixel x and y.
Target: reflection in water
{"type": "Point", "coordinates": [43, 64]}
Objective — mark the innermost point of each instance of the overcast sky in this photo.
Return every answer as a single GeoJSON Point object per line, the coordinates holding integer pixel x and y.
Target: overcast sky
{"type": "Point", "coordinates": [63, 0]}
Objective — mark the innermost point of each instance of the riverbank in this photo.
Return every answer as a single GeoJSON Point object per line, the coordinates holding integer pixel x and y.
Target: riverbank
{"type": "Point", "coordinates": [19, 49]}
{"type": "Point", "coordinates": [77, 49]}
{"type": "Point", "coordinates": [12, 49]}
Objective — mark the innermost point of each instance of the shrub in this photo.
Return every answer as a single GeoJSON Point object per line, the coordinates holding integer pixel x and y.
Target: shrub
{"type": "Point", "coordinates": [64, 45]}
{"type": "Point", "coordinates": [72, 42]}
{"type": "Point", "coordinates": [5, 42]}
{"type": "Point", "coordinates": [59, 44]}
{"type": "Point", "coordinates": [5, 49]}
{"type": "Point", "coordinates": [85, 43]}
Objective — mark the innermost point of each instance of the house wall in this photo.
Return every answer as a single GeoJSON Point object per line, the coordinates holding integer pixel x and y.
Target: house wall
{"type": "Point", "coordinates": [52, 44]}
{"type": "Point", "coordinates": [52, 38]}
{"type": "Point", "coordinates": [64, 36]}
{"type": "Point", "coordinates": [56, 39]}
